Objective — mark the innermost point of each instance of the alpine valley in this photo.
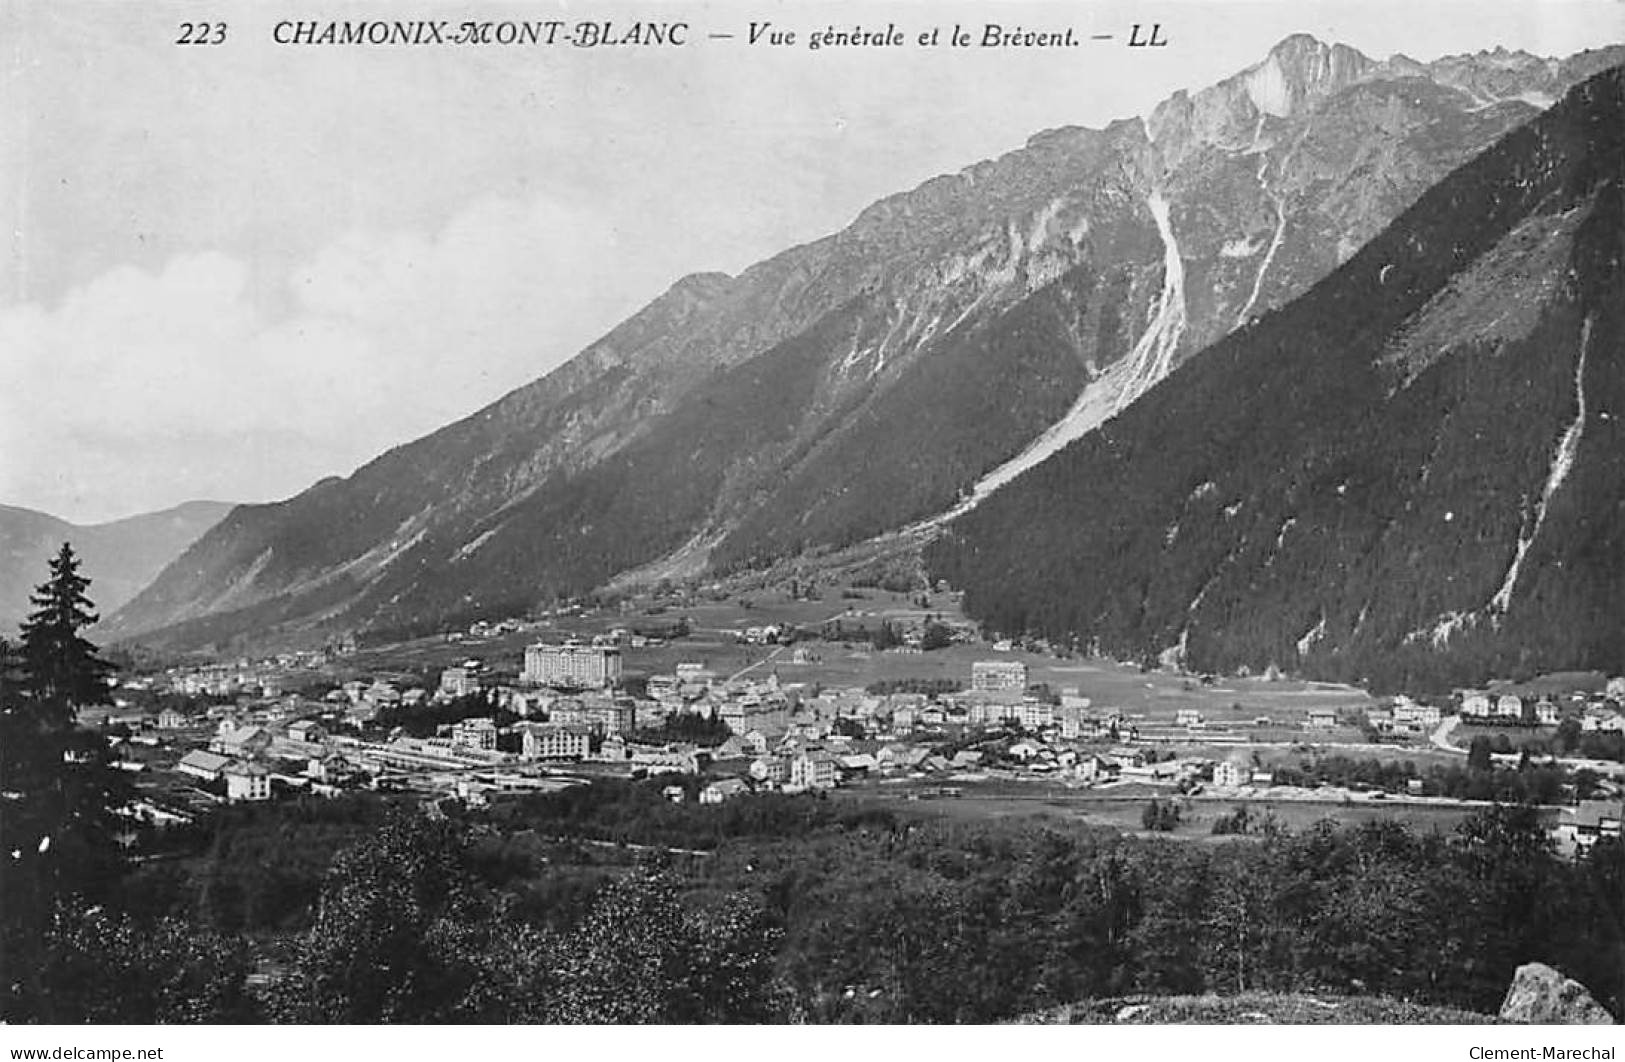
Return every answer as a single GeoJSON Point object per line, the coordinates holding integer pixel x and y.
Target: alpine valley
{"type": "Point", "coordinates": [121, 556]}
{"type": "Point", "coordinates": [1384, 435]}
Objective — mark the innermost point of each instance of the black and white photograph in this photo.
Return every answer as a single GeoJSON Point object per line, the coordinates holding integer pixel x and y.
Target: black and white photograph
{"type": "Point", "coordinates": [825, 513]}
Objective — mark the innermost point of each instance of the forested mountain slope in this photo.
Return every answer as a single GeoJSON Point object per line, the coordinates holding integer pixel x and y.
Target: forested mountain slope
{"type": "Point", "coordinates": [1414, 474]}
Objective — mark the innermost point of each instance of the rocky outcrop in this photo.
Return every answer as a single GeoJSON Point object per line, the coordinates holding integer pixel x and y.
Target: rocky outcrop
{"type": "Point", "coordinates": [1541, 995]}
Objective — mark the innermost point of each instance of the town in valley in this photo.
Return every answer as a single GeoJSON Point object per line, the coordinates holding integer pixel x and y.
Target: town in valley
{"type": "Point", "coordinates": [890, 697]}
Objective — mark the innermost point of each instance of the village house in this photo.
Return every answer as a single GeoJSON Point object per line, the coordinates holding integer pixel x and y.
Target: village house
{"type": "Point", "coordinates": [673, 759]}
{"type": "Point", "coordinates": [1024, 750]}
{"type": "Point", "coordinates": [382, 694]}
{"type": "Point", "coordinates": [1475, 703]}
{"type": "Point", "coordinates": [1509, 706]}
{"type": "Point", "coordinates": [1189, 718]}
{"type": "Point", "coordinates": [245, 742]}
{"type": "Point", "coordinates": [204, 765]}
{"type": "Point", "coordinates": [1322, 719]}
{"type": "Point", "coordinates": [1409, 713]}
{"type": "Point", "coordinates": [723, 789]}
{"type": "Point", "coordinates": [602, 715]}
{"type": "Point", "coordinates": [858, 763]}
{"type": "Point", "coordinates": [308, 731]}
{"type": "Point", "coordinates": [1126, 756]}
{"type": "Point", "coordinates": [1091, 768]}
{"type": "Point", "coordinates": [328, 768]}
{"type": "Point", "coordinates": [771, 771]}
{"type": "Point", "coordinates": [247, 781]}
{"type": "Point", "coordinates": [1546, 713]}
{"type": "Point", "coordinates": [1234, 772]}
{"type": "Point", "coordinates": [1161, 772]}
{"type": "Point", "coordinates": [1601, 720]}
{"type": "Point", "coordinates": [813, 769]}
{"type": "Point", "coordinates": [479, 732]}
{"type": "Point", "coordinates": [1584, 826]}
{"type": "Point", "coordinates": [457, 682]}
{"type": "Point", "coordinates": [171, 719]}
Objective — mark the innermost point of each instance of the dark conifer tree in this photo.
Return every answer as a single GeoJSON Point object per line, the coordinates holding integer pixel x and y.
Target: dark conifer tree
{"type": "Point", "coordinates": [57, 825]}
{"type": "Point", "coordinates": [64, 670]}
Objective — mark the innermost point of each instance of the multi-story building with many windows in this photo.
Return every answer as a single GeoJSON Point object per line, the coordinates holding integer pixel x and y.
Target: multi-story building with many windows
{"type": "Point", "coordinates": [544, 742]}
{"type": "Point", "coordinates": [998, 675]}
{"type": "Point", "coordinates": [580, 667]}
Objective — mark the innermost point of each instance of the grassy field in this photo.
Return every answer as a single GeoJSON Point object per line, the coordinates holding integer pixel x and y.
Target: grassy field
{"type": "Point", "coordinates": [1517, 736]}
{"type": "Point", "coordinates": [1120, 807]}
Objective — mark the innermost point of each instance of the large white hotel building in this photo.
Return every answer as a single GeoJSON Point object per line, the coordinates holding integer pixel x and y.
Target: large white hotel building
{"type": "Point", "coordinates": [578, 667]}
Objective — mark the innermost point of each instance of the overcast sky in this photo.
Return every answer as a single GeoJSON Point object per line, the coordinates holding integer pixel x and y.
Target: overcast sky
{"type": "Point", "coordinates": [233, 270]}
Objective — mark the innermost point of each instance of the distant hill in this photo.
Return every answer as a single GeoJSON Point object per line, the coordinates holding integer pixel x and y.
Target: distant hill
{"type": "Point", "coordinates": [120, 557]}
{"type": "Point", "coordinates": [951, 337]}
{"type": "Point", "coordinates": [1414, 475]}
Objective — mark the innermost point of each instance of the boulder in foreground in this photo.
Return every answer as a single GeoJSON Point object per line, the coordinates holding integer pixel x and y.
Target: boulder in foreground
{"type": "Point", "coordinates": [1541, 995]}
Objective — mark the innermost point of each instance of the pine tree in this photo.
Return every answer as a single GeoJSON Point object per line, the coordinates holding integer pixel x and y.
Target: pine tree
{"type": "Point", "coordinates": [64, 671]}
{"type": "Point", "coordinates": [59, 789]}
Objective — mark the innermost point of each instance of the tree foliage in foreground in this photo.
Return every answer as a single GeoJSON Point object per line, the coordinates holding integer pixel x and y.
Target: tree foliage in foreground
{"type": "Point", "coordinates": [59, 794]}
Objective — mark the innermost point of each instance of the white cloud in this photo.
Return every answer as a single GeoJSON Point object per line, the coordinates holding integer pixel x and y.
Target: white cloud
{"type": "Point", "coordinates": [144, 389]}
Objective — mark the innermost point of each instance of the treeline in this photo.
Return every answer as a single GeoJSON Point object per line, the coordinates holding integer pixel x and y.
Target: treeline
{"type": "Point", "coordinates": [423, 719]}
{"type": "Point", "coordinates": [687, 728]}
{"type": "Point", "coordinates": [1477, 779]}
{"type": "Point", "coordinates": [830, 911]}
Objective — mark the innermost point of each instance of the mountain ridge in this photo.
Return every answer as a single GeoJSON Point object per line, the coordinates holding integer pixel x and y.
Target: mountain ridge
{"type": "Point", "coordinates": [120, 556]}
{"type": "Point", "coordinates": [942, 332]}
{"type": "Point", "coordinates": [1370, 515]}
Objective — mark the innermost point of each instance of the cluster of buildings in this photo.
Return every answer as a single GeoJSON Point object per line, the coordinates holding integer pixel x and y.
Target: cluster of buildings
{"type": "Point", "coordinates": [1595, 711]}
{"type": "Point", "coordinates": [572, 711]}
{"type": "Point", "coordinates": [1403, 715]}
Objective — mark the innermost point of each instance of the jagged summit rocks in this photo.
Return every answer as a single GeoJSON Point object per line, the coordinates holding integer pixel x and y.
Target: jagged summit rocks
{"type": "Point", "coordinates": [1540, 995]}
{"type": "Point", "coordinates": [952, 338]}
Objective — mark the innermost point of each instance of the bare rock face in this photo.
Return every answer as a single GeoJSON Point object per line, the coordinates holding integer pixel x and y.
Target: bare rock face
{"type": "Point", "coordinates": [1541, 995]}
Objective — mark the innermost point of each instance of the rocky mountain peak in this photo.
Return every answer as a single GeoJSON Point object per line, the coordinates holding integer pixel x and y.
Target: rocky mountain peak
{"type": "Point", "coordinates": [1299, 71]}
